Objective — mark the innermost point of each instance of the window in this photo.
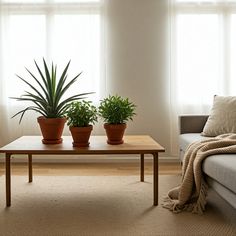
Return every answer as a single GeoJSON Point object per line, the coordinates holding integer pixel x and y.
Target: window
{"type": "Point", "coordinates": [57, 30]}
{"type": "Point", "coordinates": [203, 52]}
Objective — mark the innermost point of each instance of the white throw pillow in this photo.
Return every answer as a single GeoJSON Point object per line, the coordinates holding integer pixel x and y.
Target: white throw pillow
{"type": "Point", "coordinates": [222, 118]}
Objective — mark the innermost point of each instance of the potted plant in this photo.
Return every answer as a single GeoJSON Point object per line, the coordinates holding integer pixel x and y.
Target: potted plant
{"type": "Point", "coordinates": [81, 115]}
{"type": "Point", "coordinates": [116, 111]}
{"type": "Point", "coordinates": [46, 93]}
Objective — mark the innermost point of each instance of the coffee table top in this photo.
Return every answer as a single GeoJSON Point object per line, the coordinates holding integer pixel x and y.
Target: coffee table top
{"type": "Point", "coordinates": [133, 144]}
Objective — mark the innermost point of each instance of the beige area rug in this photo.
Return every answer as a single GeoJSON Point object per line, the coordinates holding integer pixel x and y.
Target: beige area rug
{"type": "Point", "coordinates": [104, 206]}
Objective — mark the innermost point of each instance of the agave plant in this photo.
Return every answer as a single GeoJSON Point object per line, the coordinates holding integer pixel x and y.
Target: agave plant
{"type": "Point", "coordinates": [47, 96]}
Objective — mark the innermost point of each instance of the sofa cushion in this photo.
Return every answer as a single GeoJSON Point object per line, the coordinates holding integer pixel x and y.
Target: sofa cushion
{"type": "Point", "coordinates": [222, 118]}
{"type": "Point", "coordinates": [186, 139]}
{"type": "Point", "coordinates": [222, 168]}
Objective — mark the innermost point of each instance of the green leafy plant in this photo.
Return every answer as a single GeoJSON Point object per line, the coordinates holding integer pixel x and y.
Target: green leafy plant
{"type": "Point", "coordinates": [48, 91]}
{"type": "Point", "coordinates": [81, 114]}
{"type": "Point", "coordinates": [116, 110]}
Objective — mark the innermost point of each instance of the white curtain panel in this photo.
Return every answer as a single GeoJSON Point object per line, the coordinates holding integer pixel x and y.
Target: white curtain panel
{"type": "Point", "coordinates": [57, 30]}
{"type": "Point", "coordinates": [203, 55]}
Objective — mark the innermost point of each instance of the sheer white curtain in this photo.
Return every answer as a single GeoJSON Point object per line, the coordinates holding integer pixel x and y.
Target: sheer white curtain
{"type": "Point", "coordinates": [59, 31]}
{"type": "Point", "coordinates": [203, 55]}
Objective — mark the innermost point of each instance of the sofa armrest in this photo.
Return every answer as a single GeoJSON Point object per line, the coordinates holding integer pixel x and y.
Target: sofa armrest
{"type": "Point", "coordinates": [192, 123]}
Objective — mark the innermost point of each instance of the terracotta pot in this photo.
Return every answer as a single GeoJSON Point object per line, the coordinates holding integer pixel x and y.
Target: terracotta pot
{"type": "Point", "coordinates": [81, 135]}
{"type": "Point", "coordinates": [115, 133]}
{"type": "Point", "coordinates": [51, 129]}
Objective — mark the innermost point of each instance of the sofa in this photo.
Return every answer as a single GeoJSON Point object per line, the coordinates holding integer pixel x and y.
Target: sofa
{"type": "Point", "coordinates": [219, 170]}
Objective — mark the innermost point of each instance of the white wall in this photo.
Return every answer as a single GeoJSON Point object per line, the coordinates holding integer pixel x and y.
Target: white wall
{"type": "Point", "coordinates": [138, 64]}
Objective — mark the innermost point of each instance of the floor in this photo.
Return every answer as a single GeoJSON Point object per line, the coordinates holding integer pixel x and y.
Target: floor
{"type": "Point", "coordinates": [95, 169]}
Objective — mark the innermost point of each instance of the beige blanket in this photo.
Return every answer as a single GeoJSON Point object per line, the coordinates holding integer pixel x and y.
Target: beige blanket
{"type": "Point", "coordinates": [191, 194]}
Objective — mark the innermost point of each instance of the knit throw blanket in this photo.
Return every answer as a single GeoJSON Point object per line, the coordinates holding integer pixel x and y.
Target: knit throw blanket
{"type": "Point", "coordinates": [192, 192]}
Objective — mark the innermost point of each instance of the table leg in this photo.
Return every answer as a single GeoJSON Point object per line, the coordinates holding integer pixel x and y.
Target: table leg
{"type": "Point", "coordinates": [8, 179]}
{"type": "Point", "coordinates": [155, 179]}
{"type": "Point", "coordinates": [142, 168]}
{"type": "Point", "coordinates": [30, 168]}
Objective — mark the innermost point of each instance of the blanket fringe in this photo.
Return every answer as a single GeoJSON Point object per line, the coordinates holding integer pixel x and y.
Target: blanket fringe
{"type": "Point", "coordinates": [197, 207]}
{"type": "Point", "coordinates": [171, 204]}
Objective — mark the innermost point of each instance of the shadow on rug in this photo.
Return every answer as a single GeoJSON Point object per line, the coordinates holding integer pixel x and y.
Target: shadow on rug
{"type": "Point", "coordinates": [104, 205]}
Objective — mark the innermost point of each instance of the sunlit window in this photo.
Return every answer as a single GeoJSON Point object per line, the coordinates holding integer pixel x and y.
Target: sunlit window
{"type": "Point", "coordinates": [198, 56]}
{"type": "Point", "coordinates": [56, 30]}
{"type": "Point", "coordinates": [233, 54]}
{"type": "Point", "coordinates": [203, 52]}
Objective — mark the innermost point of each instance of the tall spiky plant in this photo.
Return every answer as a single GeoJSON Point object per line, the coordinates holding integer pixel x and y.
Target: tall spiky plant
{"type": "Point", "coordinates": [47, 96]}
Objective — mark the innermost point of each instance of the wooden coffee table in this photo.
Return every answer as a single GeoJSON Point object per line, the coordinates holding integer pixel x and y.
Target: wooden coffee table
{"type": "Point", "coordinates": [133, 144]}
